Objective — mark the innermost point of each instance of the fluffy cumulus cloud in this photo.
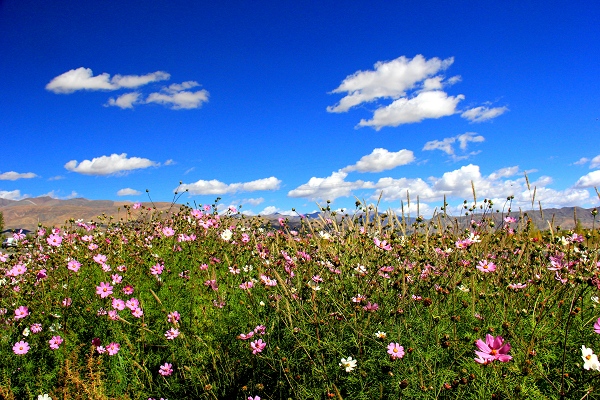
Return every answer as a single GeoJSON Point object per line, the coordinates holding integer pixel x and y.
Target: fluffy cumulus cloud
{"type": "Point", "coordinates": [270, 210]}
{"type": "Point", "coordinates": [381, 160]}
{"type": "Point", "coordinates": [482, 113]}
{"type": "Point", "coordinates": [84, 79]}
{"type": "Point", "coordinates": [177, 96]}
{"type": "Point", "coordinates": [456, 185]}
{"type": "Point", "coordinates": [329, 188]}
{"type": "Point", "coordinates": [109, 165]}
{"type": "Point", "coordinates": [447, 144]}
{"type": "Point", "coordinates": [11, 195]}
{"type": "Point", "coordinates": [590, 180]}
{"type": "Point", "coordinates": [13, 176]}
{"type": "Point", "coordinates": [416, 90]}
{"type": "Point", "coordinates": [215, 187]}
{"type": "Point", "coordinates": [128, 192]}
{"type": "Point", "coordinates": [127, 100]}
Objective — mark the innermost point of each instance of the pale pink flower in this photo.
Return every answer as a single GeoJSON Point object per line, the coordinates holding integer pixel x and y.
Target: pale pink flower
{"type": "Point", "coordinates": [486, 266]}
{"type": "Point", "coordinates": [36, 328]}
{"type": "Point", "coordinates": [113, 348]}
{"type": "Point", "coordinates": [101, 349]}
{"type": "Point", "coordinates": [113, 315]}
{"type": "Point", "coordinates": [257, 346]}
{"type": "Point", "coordinates": [100, 259]}
{"type": "Point", "coordinates": [118, 304]}
{"type": "Point", "coordinates": [138, 312]}
{"type": "Point", "coordinates": [21, 347]}
{"type": "Point", "coordinates": [135, 206]}
{"type": "Point", "coordinates": [247, 285]}
{"type": "Point", "coordinates": [21, 312]}
{"type": "Point", "coordinates": [166, 369]}
{"type": "Point", "coordinates": [168, 231]}
{"type": "Point", "coordinates": [157, 269]}
{"type": "Point", "coordinates": [132, 303]}
{"type": "Point", "coordinates": [67, 302]}
{"type": "Point", "coordinates": [116, 279]}
{"type": "Point", "coordinates": [172, 334]}
{"type": "Point", "coordinates": [74, 265]}
{"type": "Point", "coordinates": [382, 244]}
{"type": "Point", "coordinates": [55, 342]}
{"type": "Point", "coordinates": [92, 246]}
{"type": "Point", "coordinates": [104, 290]}
{"type": "Point", "coordinates": [54, 240]}
{"type": "Point", "coordinates": [173, 317]}
{"type": "Point", "coordinates": [395, 351]}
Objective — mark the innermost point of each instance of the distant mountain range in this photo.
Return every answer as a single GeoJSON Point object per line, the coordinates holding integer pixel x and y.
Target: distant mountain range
{"type": "Point", "coordinates": [28, 213]}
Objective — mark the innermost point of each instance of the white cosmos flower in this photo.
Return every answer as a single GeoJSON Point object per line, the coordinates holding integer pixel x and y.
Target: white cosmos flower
{"type": "Point", "coordinates": [349, 364]}
{"type": "Point", "coordinates": [590, 360]}
{"type": "Point", "coordinates": [226, 235]}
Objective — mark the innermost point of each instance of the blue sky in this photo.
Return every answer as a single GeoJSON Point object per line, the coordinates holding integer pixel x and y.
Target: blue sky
{"type": "Point", "coordinates": [281, 105]}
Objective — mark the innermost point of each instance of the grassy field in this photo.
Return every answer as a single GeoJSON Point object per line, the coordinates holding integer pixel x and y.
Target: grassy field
{"type": "Point", "coordinates": [196, 305]}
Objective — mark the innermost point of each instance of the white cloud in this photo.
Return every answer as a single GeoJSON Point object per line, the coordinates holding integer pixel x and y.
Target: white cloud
{"type": "Point", "coordinates": [269, 210]}
{"type": "Point", "coordinates": [12, 195]}
{"type": "Point", "coordinates": [482, 113]}
{"type": "Point", "coordinates": [126, 100]}
{"type": "Point", "coordinates": [381, 160]}
{"type": "Point", "coordinates": [215, 187]}
{"type": "Point", "coordinates": [590, 180]}
{"type": "Point", "coordinates": [391, 79]}
{"type": "Point", "coordinates": [13, 176]}
{"type": "Point", "coordinates": [253, 202]}
{"type": "Point", "coordinates": [84, 79]}
{"type": "Point", "coordinates": [328, 188]}
{"type": "Point", "coordinates": [582, 160]}
{"type": "Point", "coordinates": [128, 192]}
{"type": "Point", "coordinates": [432, 104]}
{"type": "Point", "coordinates": [447, 145]}
{"type": "Point", "coordinates": [54, 194]}
{"type": "Point", "coordinates": [595, 162]}
{"type": "Point", "coordinates": [169, 162]}
{"type": "Point", "coordinates": [178, 97]}
{"type": "Point", "coordinates": [108, 165]}
{"type": "Point", "coordinates": [56, 178]}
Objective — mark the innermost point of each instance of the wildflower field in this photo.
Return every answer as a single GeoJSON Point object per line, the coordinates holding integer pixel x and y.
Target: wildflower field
{"type": "Point", "coordinates": [193, 304]}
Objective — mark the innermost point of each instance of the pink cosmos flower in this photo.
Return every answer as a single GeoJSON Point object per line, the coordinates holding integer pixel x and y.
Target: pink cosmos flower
{"type": "Point", "coordinates": [157, 269]}
{"type": "Point", "coordinates": [166, 369]}
{"type": "Point", "coordinates": [486, 266]}
{"type": "Point", "coordinates": [113, 315]}
{"type": "Point", "coordinates": [257, 346]}
{"type": "Point", "coordinates": [36, 328]}
{"type": "Point", "coordinates": [168, 231]}
{"type": "Point", "coordinates": [173, 317]}
{"type": "Point", "coordinates": [54, 240]}
{"type": "Point", "coordinates": [395, 351]}
{"type": "Point", "coordinates": [138, 312]}
{"type": "Point", "coordinates": [101, 349]}
{"type": "Point", "coordinates": [104, 290]}
{"type": "Point", "coordinates": [172, 334]}
{"type": "Point", "coordinates": [113, 348]}
{"type": "Point", "coordinates": [597, 326]}
{"type": "Point", "coordinates": [136, 206]}
{"type": "Point", "coordinates": [254, 398]}
{"type": "Point", "coordinates": [494, 348]}
{"type": "Point", "coordinates": [132, 303]}
{"type": "Point", "coordinates": [55, 342]}
{"type": "Point", "coordinates": [21, 312]}
{"type": "Point", "coordinates": [245, 238]}
{"type": "Point", "coordinates": [118, 304]}
{"type": "Point", "coordinates": [128, 289]}
{"type": "Point", "coordinates": [74, 265]}
{"type": "Point", "coordinates": [371, 307]}
{"type": "Point", "coordinates": [21, 347]}
{"type": "Point", "coordinates": [116, 279]}
{"type": "Point", "coordinates": [67, 302]}
{"type": "Point", "coordinates": [100, 259]}
{"type": "Point", "coordinates": [247, 285]}
{"type": "Point", "coordinates": [382, 244]}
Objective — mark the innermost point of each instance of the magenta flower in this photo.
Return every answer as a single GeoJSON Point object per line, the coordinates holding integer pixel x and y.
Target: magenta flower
{"type": "Point", "coordinates": [257, 346]}
{"type": "Point", "coordinates": [494, 348]}
{"type": "Point", "coordinates": [395, 351]}
{"type": "Point", "coordinates": [157, 269]}
{"type": "Point", "coordinates": [597, 326]}
{"type": "Point", "coordinates": [166, 369]}
{"type": "Point", "coordinates": [55, 342]}
{"type": "Point", "coordinates": [104, 290]}
{"type": "Point", "coordinates": [21, 347]}
{"type": "Point", "coordinates": [173, 317]}
{"type": "Point", "coordinates": [21, 312]}
{"type": "Point", "coordinates": [118, 304]}
{"type": "Point", "coordinates": [128, 289]}
{"type": "Point", "coordinates": [113, 348]}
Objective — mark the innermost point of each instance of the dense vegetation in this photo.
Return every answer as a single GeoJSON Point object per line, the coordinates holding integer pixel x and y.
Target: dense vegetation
{"type": "Point", "coordinates": [193, 304]}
